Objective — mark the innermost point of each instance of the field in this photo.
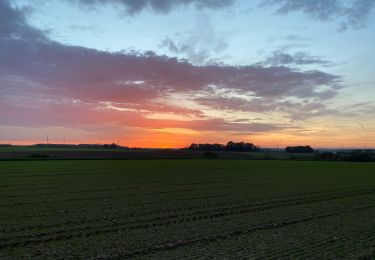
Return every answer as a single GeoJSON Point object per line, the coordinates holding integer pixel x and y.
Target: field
{"type": "Point", "coordinates": [193, 209]}
{"type": "Point", "coordinates": [45, 153]}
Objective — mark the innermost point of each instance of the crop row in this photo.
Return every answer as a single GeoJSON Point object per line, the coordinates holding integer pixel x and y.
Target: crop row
{"type": "Point", "coordinates": [201, 209]}
{"type": "Point", "coordinates": [146, 248]}
{"type": "Point", "coordinates": [304, 197]}
{"type": "Point", "coordinates": [291, 246]}
{"type": "Point", "coordinates": [235, 233]}
{"type": "Point", "coordinates": [175, 218]}
{"type": "Point", "coordinates": [132, 195]}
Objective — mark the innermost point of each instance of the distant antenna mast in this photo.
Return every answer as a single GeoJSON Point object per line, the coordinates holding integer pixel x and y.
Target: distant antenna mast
{"type": "Point", "coordinates": [47, 139]}
{"type": "Point", "coordinates": [64, 140]}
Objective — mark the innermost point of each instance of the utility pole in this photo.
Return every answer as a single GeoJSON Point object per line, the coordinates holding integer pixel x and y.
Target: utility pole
{"type": "Point", "coordinates": [47, 139]}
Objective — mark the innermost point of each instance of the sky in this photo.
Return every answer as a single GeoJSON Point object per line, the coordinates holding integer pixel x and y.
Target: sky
{"type": "Point", "coordinates": [168, 73]}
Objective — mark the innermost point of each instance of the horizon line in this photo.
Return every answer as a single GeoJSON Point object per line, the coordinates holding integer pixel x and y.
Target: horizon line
{"type": "Point", "coordinates": [281, 147]}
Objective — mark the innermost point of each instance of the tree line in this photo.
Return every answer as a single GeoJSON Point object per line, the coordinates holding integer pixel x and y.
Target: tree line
{"type": "Point", "coordinates": [299, 149]}
{"type": "Point", "coordinates": [354, 156]}
{"type": "Point", "coordinates": [230, 146]}
{"type": "Point", "coordinates": [87, 146]}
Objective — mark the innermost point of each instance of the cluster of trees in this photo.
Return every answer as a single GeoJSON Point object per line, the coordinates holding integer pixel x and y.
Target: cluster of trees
{"type": "Point", "coordinates": [93, 146]}
{"type": "Point", "coordinates": [299, 149]}
{"type": "Point", "coordinates": [327, 156]}
{"type": "Point", "coordinates": [230, 146]}
{"type": "Point", "coordinates": [362, 156]}
{"type": "Point", "coordinates": [355, 156]}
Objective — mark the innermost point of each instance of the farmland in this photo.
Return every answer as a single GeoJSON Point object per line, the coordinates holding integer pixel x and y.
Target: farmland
{"type": "Point", "coordinates": [175, 209]}
{"type": "Point", "coordinates": [32, 152]}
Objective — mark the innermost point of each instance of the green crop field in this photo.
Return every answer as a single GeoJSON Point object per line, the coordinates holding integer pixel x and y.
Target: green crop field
{"type": "Point", "coordinates": [192, 209]}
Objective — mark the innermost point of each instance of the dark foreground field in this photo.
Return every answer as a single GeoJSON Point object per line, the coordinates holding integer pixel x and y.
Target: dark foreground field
{"type": "Point", "coordinates": [175, 209]}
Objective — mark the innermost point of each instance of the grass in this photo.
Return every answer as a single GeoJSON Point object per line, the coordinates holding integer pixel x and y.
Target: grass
{"type": "Point", "coordinates": [175, 209]}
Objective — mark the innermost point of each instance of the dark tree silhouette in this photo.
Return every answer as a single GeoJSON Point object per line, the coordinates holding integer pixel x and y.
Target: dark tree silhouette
{"type": "Point", "coordinates": [299, 149]}
{"type": "Point", "coordinates": [327, 156]}
{"type": "Point", "coordinates": [362, 156]}
{"type": "Point", "coordinates": [230, 146]}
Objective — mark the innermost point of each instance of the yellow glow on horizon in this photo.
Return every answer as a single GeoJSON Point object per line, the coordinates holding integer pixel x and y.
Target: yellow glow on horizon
{"type": "Point", "coordinates": [317, 137]}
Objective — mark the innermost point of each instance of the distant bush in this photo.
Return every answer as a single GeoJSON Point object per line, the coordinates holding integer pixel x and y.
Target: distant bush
{"type": "Point", "coordinates": [210, 155]}
{"type": "Point", "coordinates": [110, 146]}
{"type": "Point", "coordinates": [38, 155]}
{"type": "Point", "coordinates": [6, 145]}
{"type": "Point", "coordinates": [299, 149]}
{"type": "Point", "coordinates": [362, 156]}
{"type": "Point", "coordinates": [268, 157]}
{"type": "Point", "coordinates": [327, 156]}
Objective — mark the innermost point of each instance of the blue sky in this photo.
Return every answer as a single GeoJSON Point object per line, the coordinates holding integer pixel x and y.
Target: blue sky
{"type": "Point", "coordinates": [334, 38]}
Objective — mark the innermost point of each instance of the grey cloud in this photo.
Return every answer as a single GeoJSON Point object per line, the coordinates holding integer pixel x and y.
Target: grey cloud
{"type": "Point", "coordinates": [31, 64]}
{"type": "Point", "coordinates": [200, 46]}
{"type": "Point", "coordinates": [101, 75]}
{"type": "Point", "coordinates": [108, 76]}
{"type": "Point", "coordinates": [358, 15]}
{"type": "Point", "coordinates": [132, 7]}
{"type": "Point", "coordinates": [358, 110]}
{"type": "Point", "coordinates": [83, 27]}
{"type": "Point", "coordinates": [317, 9]}
{"type": "Point", "coordinates": [299, 58]}
{"type": "Point", "coordinates": [236, 104]}
{"type": "Point", "coordinates": [297, 110]}
{"type": "Point", "coordinates": [294, 38]}
{"type": "Point", "coordinates": [13, 24]}
{"type": "Point", "coordinates": [351, 14]}
{"type": "Point", "coordinates": [66, 115]}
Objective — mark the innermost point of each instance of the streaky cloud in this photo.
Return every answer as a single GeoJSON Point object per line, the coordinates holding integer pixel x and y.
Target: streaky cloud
{"type": "Point", "coordinates": [132, 7]}
{"type": "Point", "coordinates": [280, 57]}
{"type": "Point", "coordinates": [352, 14]}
